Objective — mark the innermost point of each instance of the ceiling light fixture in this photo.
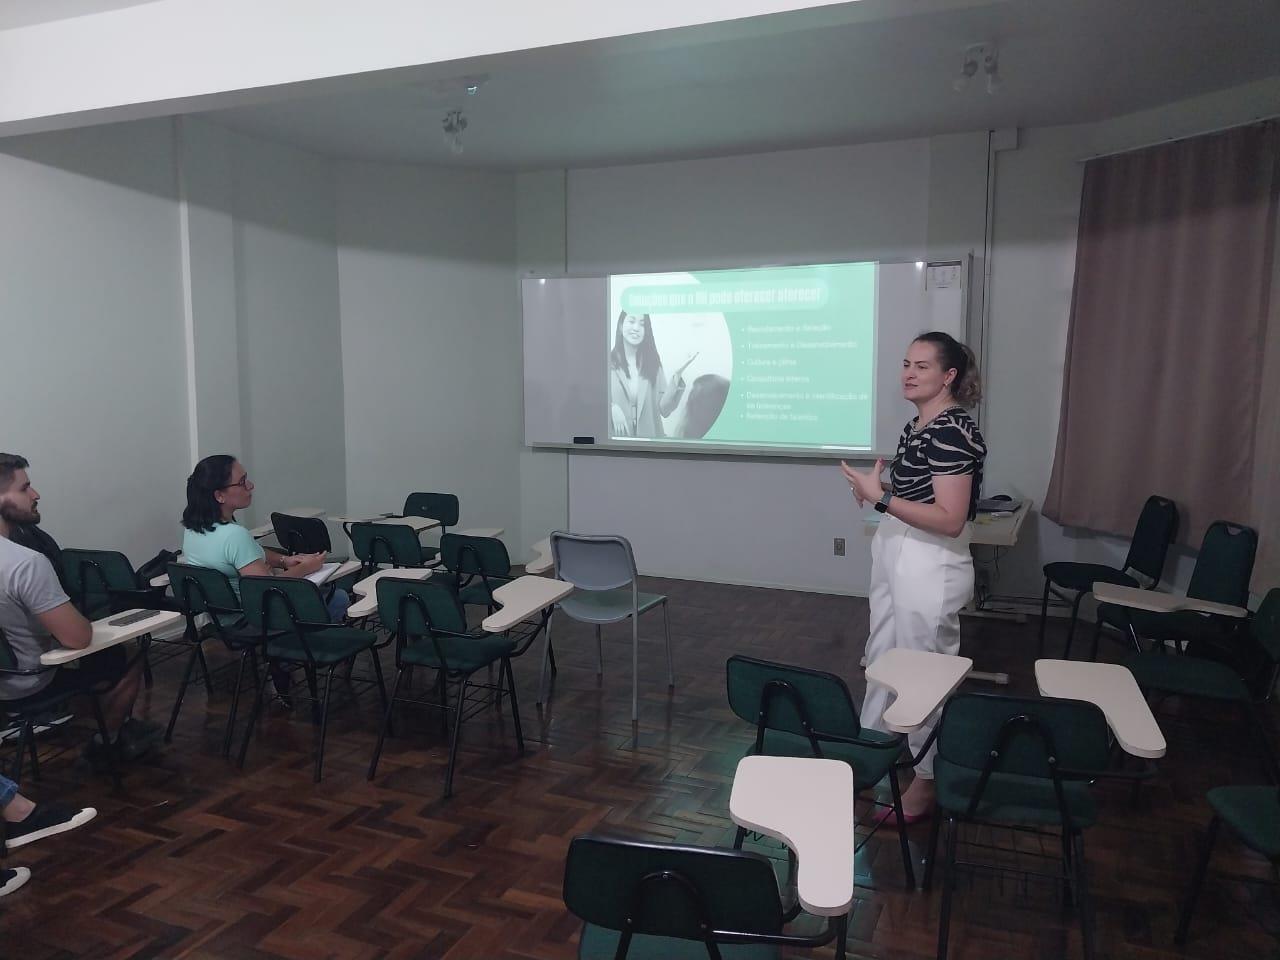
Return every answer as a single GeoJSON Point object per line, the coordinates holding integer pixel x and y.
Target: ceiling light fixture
{"type": "Point", "coordinates": [453, 125]}
{"type": "Point", "coordinates": [979, 55]}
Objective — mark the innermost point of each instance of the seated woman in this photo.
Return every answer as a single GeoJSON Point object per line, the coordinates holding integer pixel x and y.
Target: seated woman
{"type": "Point", "coordinates": [216, 489]}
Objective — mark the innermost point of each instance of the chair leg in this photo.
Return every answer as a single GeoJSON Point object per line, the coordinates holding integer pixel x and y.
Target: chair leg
{"type": "Point", "coordinates": [671, 666]}
{"type": "Point", "coordinates": [324, 721]}
{"type": "Point", "coordinates": [204, 669]}
{"type": "Point", "coordinates": [28, 740]}
{"type": "Point", "coordinates": [739, 838]}
{"type": "Point", "coordinates": [253, 715]}
{"type": "Point", "coordinates": [1068, 868]}
{"type": "Point", "coordinates": [515, 707]}
{"type": "Point", "coordinates": [551, 651]}
{"type": "Point", "coordinates": [113, 759]}
{"type": "Point", "coordinates": [546, 655]}
{"type": "Point", "coordinates": [1044, 616]}
{"type": "Point", "coordinates": [948, 881]}
{"type": "Point", "coordinates": [442, 689]}
{"type": "Point", "coordinates": [382, 686]}
{"type": "Point", "coordinates": [933, 850]}
{"type": "Point", "coordinates": [146, 672]}
{"type": "Point", "coordinates": [842, 937]}
{"type": "Point", "coordinates": [235, 700]}
{"type": "Point", "coordinates": [1084, 901]}
{"type": "Point", "coordinates": [1258, 726]}
{"type": "Point", "coordinates": [907, 868]}
{"type": "Point", "coordinates": [599, 651]}
{"type": "Point", "coordinates": [182, 691]}
{"type": "Point", "coordinates": [386, 725]}
{"type": "Point", "coordinates": [635, 667]}
{"type": "Point", "coordinates": [1097, 635]}
{"type": "Point", "coordinates": [314, 687]}
{"type": "Point", "coordinates": [1197, 881]}
{"type": "Point", "coordinates": [1071, 627]}
{"type": "Point", "coordinates": [453, 743]}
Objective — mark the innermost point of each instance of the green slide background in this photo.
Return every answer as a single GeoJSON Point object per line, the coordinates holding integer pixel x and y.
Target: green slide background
{"type": "Point", "coordinates": [803, 350]}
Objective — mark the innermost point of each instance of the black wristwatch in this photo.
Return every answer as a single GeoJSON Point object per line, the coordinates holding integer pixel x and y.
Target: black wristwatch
{"type": "Point", "coordinates": [882, 505]}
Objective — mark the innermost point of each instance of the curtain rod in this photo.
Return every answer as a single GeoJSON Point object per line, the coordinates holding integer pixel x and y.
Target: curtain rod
{"type": "Point", "coordinates": [1185, 136]}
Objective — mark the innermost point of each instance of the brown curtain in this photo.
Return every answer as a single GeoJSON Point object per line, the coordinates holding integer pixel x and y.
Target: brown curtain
{"type": "Point", "coordinates": [1172, 381]}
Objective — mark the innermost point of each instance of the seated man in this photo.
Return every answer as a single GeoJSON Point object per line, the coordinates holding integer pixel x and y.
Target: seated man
{"type": "Point", "coordinates": [36, 614]}
{"type": "Point", "coordinates": [25, 822]}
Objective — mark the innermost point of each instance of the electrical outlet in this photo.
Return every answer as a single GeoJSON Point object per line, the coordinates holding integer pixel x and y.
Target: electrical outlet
{"type": "Point", "coordinates": [839, 546]}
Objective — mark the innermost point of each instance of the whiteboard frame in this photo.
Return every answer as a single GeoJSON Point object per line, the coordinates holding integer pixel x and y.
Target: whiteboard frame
{"type": "Point", "coordinates": [741, 451]}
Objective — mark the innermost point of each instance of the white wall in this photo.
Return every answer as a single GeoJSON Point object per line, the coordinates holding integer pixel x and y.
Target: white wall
{"type": "Point", "coordinates": [431, 344]}
{"type": "Point", "coordinates": [94, 384]}
{"type": "Point", "coordinates": [165, 57]}
{"type": "Point", "coordinates": [289, 335]}
{"type": "Point", "coordinates": [264, 336]}
{"type": "Point", "coordinates": [876, 201]}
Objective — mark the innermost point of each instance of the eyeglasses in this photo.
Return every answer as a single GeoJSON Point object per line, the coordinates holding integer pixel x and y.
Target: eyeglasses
{"type": "Point", "coordinates": [242, 482]}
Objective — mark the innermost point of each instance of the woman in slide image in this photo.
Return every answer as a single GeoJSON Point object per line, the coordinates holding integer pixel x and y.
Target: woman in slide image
{"type": "Point", "coordinates": [640, 393]}
{"type": "Point", "coordinates": [218, 487]}
{"type": "Point", "coordinates": [921, 570]}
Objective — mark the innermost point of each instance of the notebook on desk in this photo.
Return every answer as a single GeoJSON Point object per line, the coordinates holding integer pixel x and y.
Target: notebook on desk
{"type": "Point", "coordinates": [323, 574]}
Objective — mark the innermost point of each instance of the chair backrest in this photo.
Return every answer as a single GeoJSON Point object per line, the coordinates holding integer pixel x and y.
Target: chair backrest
{"type": "Point", "coordinates": [435, 506]}
{"type": "Point", "coordinates": [1224, 565]}
{"type": "Point", "coordinates": [593, 562]}
{"type": "Point", "coordinates": [393, 543]}
{"type": "Point", "coordinates": [1157, 526]}
{"type": "Point", "coordinates": [91, 575]}
{"type": "Point", "coordinates": [461, 553]}
{"type": "Point", "coordinates": [1265, 625]}
{"type": "Point", "coordinates": [301, 534]}
{"type": "Point", "coordinates": [417, 607]}
{"type": "Point", "coordinates": [670, 891]}
{"type": "Point", "coordinates": [776, 696]}
{"type": "Point", "coordinates": [282, 603]}
{"type": "Point", "coordinates": [202, 590]}
{"type": "Point", "coordinates": [974, 726]}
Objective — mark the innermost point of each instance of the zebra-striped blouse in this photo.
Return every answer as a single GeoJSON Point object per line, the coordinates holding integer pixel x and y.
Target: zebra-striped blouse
{"type": "Point", "coordinates": [948, 445]}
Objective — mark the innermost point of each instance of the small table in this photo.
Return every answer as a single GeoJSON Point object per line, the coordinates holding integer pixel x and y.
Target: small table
{"type": "Point", "coordinates": [542, 560]}
{"type": "Point", "coordinates": [367, 589]}
{"type": "Point", "coordinates": [807, 803]}
{"type": "Point", "coordinates": [417, 524]}
{"type": "Point", "coordinates": [1115, 692]}
{"type": "Point", "coordinates": [1137, 599]}
{"type": "Point", "coordinates": [922, 681]}
{"type": "Point", "coordinates": [522, 598]}
{"type": "Point", "coordinates": [491, 533]}
{"type": "Point", "coordinates": [105, 635]}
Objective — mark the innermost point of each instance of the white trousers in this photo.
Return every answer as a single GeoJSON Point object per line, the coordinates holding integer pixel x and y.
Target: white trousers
{"type": "Point", "coordinates": [919, 582]}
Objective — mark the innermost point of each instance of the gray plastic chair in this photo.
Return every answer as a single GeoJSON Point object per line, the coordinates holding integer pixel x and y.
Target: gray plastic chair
{"type": "Point", "coordinates": [603, 571]}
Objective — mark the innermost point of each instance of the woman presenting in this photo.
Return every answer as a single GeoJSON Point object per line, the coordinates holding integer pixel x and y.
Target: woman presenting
{"type": "Point", "coordinates": [921, 570]}
{"type": "Point", "coordinates": [639, 392]}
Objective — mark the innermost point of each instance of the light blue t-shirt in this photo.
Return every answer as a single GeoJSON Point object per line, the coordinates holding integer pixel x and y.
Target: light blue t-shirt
{"type": "Point", "coordinates": [227, 548]}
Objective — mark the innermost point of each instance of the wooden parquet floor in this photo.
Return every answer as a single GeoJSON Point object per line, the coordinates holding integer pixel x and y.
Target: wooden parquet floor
{"type": "Point", "coordinates": [194, 859]}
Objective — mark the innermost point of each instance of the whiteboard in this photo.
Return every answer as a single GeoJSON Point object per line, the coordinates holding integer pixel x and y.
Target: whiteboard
{"type": "Point", "coordinates": [565, 337]}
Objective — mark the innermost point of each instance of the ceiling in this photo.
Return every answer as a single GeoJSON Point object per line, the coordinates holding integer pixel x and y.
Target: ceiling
{"type": "Point", "coordinates": [856, 72]}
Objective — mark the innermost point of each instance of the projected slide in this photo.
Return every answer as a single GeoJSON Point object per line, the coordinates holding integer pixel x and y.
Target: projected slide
{"type": "Point", "coordinates": [776, 356]}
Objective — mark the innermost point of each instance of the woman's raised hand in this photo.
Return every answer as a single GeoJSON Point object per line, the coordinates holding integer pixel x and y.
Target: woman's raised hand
{"type": "Point", "coordinates": [864, 484]}
{"type": "Point", "coordinates": [681, 369]}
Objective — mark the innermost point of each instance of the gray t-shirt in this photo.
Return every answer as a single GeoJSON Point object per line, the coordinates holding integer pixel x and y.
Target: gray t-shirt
{"type": "Point", "coordinates": [28, 587]}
